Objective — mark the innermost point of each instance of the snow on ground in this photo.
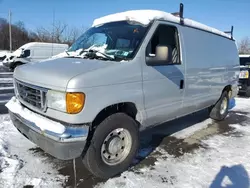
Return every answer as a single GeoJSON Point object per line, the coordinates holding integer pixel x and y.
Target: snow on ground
{"type": "Point", "coordinates": [19, 166]}
{"type": "Point", "coordinates": [210, 155]}
{"type": "Point", "coordinates": [223, 161]}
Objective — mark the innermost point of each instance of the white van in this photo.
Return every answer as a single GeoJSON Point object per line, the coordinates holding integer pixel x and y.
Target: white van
{"type": "Point", "coordinates": [33, 52]}
{"type": "Point", "coordinates": [128, 72]}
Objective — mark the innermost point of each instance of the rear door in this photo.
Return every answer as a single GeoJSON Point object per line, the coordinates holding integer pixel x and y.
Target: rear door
{"type": "Point", "coordinates": [164, 85]}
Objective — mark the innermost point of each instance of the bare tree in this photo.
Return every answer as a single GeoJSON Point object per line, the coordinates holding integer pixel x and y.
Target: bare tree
{"type": "Point", "coordinates": [43, 35]}
{"type": "Point", "coordinates": [72, 33]}
{"type": "Point", "coordinates": [244, 46]}
{"type": "Point", "coordinates": [58, 32]}
{"type": "Point", "coordinates": [20, 35]}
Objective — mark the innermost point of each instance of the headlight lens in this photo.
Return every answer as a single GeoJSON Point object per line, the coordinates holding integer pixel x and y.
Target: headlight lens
{"type": "Point", "coordinates": [56, 100]}
{"type": "Point", "coordinates": [72, 103]}
{"type": "Point", "coordinates": [75, 102]}
{"type": "Point", "coordinates": [244, 74]}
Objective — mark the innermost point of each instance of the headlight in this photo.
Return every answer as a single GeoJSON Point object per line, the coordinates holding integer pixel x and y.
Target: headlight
{"type": "Point", "coordinates": [244, 74]}
{"type": "Point", "coordinates": [56, 100]}
{"type": "Point", "coordinates": [72, 103]}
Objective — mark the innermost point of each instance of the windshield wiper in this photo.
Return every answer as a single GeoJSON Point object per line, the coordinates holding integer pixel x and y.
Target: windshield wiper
{"type": "Point", "coordinates": [67, 52]}
{"type": "Point", "coordinates": [94, 54]}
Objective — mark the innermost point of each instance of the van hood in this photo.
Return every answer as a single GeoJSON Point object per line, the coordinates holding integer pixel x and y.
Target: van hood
{"type": "Point", "coordinates": [56, 73]}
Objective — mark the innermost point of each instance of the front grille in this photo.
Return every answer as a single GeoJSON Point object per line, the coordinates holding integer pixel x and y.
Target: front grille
{"type": "Point", "coordinates": [32, 95]}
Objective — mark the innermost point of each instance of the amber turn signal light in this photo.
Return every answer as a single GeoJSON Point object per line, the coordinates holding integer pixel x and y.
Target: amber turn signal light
{"type": "Point", "coordinates": [75, 102]}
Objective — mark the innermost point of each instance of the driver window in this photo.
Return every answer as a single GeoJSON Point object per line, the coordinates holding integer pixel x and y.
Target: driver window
{"type": "Point", "coordinates": [165, 35]}
{"type": "Point", "coordinates": [26, 53]}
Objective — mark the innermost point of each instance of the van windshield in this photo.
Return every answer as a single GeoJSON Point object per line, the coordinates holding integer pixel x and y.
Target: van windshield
{"type": "Point", "coordinates": [118, 39]}
{"type": "Point", "coordinates": [244, 60]}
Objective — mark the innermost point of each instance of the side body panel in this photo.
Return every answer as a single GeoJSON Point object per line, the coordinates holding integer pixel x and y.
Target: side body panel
{"type": "Point", "coordinates": [210, 62]}
{"type": "Point", "coordinates": [40, 52]}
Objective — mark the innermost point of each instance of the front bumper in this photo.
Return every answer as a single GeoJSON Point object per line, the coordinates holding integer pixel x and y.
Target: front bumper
{"type": "Point", "coordinates": [68, 145]}
{"type": "Point", "coordinates": [8, 64]}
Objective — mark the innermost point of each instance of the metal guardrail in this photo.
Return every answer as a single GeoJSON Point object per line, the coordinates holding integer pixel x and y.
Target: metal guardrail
{"type": "Point", "coordinates": [6, 87]}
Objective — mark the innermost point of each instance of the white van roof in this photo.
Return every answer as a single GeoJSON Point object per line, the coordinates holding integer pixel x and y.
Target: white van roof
{"type": "Point", "coordinates": [244, 55]}
{"type": "Point", "coordinates": [42, 44]}
{"type": "Point", "coordinates": [146, 16]}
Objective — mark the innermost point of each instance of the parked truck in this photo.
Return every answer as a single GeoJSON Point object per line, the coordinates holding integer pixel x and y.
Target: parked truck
{"type": "Point", "coordinates": [244, 79]}
{"type": "Point", "coordinates": [33, 52]}
{"type": "Point", "coordinates": [129, 71]}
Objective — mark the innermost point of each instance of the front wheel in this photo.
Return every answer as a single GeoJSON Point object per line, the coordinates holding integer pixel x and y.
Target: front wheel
{"type": "Point", "coordinates": [248, 92]}
{"type": "Point", "coordinates": [220, 110]}
{"type": "Point", "coordinates": [15, 66]}
{"type": "Point", "coordinates": [113, 146]}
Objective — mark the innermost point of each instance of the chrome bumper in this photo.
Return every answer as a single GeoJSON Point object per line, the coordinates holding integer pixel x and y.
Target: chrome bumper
{"type": "Point", "coordinates": [68, 145]}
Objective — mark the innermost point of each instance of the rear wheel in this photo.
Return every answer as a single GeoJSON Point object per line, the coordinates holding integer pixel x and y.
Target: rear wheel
{"type": "Point", "coordinates": [113, 146]}
{"type": "Point", "coordinates": [220, 110]}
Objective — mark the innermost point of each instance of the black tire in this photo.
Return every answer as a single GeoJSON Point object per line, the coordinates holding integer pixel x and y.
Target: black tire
{"type": "Point", "coordinates": [215, 112]}
{"type": "Point", "coordinates": [93, 160]}
{"type": "Point", "coordinates": [15, 66]}
{"type": "Point", "coordinates": [248, 92]}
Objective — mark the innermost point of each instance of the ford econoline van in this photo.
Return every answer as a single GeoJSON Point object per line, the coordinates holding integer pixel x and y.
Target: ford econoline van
{"type": "Point", "coordinates": [129, 71]}
{"type": "Point", "coordinates": [33, 52]}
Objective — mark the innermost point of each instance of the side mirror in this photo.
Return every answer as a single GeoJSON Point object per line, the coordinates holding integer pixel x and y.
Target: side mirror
{"type": "Point", "coordinates": [162, 56]}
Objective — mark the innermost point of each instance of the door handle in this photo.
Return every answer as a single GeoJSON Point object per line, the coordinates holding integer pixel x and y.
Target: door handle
{"type": "Point", "coordinates": [181, 84]}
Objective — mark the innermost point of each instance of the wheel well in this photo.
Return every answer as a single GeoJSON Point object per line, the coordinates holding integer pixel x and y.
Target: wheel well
{"type": "Point", "coordinates": [126, 107]}
{"type": "Point", "coordinates": [228, 88]}
{"type": "Point", "coordinates": [19, 63]}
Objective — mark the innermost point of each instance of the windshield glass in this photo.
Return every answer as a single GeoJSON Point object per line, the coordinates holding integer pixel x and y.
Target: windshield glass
{"type": "Point", "coordinates": [245, 61]}
{"type": "Point", "coordinates": [120, 39]}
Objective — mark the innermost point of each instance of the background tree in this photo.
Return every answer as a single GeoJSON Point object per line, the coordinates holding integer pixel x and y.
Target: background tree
{"type": "Point", "coordinates": [58, 32]}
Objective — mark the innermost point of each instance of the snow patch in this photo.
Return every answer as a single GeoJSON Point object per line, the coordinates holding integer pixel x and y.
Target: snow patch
{"type": "Point", "coordinates": [141, 16]}
{"type": "Point", "coordinates": [3, 53]}
{"type": "Point", "coordinates": [241, 128]}
{"type": "Point", "coordinates": [190, 130]}
{"type": "Point", "coordinates": [18, 165]}
{"type": "Point", "coordinates": [43, 123]}
{"type": "Point", "coordinates": [224, 162]}
{"type": "Point", "coordinates": [146, 16]}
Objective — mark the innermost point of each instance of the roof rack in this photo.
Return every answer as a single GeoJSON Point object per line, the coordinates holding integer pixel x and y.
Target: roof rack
{"type": "Point", "coordinates": [230, 32]}
{"type": "Point", "coordinates": [180, 14]}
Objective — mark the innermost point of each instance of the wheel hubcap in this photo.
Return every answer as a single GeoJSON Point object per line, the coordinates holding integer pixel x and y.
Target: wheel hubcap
{"type": "Point", "coordinates": [223, 106]}
{"type": "Point", "coordinates": [116, 146]}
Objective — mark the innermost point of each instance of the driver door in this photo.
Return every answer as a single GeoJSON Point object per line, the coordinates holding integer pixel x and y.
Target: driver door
{"type": "Point", "coordinates": [164, 84]}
